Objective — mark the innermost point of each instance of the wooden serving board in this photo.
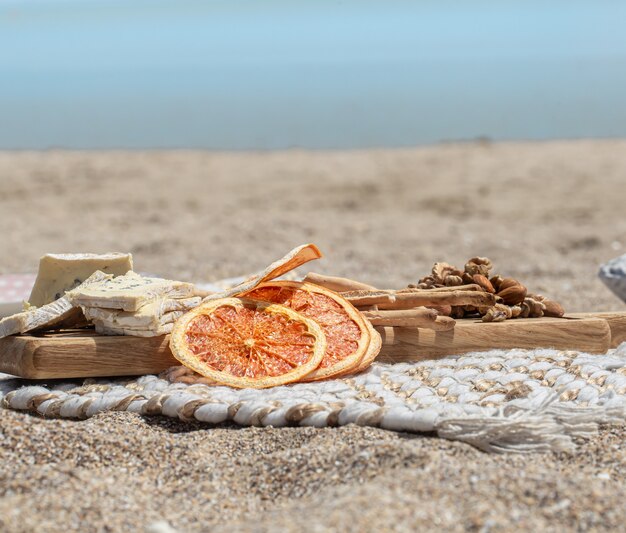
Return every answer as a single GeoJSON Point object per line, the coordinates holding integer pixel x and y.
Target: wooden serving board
{"type": "Point", "coordinates": [85, 354]}
{"type": "Point", "coordinates": [588, 332]}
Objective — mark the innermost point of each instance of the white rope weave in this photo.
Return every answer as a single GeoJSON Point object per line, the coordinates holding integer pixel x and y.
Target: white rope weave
{"type": "Point", "coordinates": [517, 400]}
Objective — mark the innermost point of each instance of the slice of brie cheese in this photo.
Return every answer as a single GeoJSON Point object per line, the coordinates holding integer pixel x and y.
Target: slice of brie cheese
{"type": "Point", "coordinates": [129, 292]}
{"type": "Point", "coordinates": [55, 315]}
{"type": "Point", "coordinates": [59, 273]}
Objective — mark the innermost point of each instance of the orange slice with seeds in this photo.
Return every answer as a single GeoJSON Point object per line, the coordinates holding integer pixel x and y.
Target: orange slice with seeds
{"type": "Point", "coordinates": [348, 335]}
{"type": "Point", "coordinates": [246, 343]}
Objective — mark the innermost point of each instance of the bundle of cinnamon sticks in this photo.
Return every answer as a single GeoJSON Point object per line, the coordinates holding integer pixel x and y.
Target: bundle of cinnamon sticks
{"type": "Point", "coordinates": [421, 308]}
{"type": "Point", "coordinates": [447, 293]}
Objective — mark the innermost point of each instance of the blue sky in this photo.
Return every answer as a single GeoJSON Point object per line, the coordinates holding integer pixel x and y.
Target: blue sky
{"type": "Point", "coordinates": [323, 74]}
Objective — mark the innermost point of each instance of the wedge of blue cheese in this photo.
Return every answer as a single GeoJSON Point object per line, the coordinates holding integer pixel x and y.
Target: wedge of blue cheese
{"type": "Point", "coordinates": [58, 314]}
{"type": "Point", "coordinates": [59, 273]}
{"type": "Point", "coordinates": [129, 292]}
{"type": "Point", "coordinates": [150, 316]}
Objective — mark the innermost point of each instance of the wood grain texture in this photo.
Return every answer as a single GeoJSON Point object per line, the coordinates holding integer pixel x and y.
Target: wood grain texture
{"type": "Point", "coordinates": [616, 321]}
{"type": "Point", "coordinates": [591, 335]}
{"type": "Point", "coordinates": [85, 354]}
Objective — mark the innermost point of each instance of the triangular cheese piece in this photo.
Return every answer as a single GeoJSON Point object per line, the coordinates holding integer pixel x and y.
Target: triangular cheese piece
{"type": "Point", "coordinates": [59, 273]}
{"type": "Point", "coordinates": [153, 314]}
{"type": "Point", "coordinates": [58, 314]}
{"type": "Point", "coordinates": [129, 292]}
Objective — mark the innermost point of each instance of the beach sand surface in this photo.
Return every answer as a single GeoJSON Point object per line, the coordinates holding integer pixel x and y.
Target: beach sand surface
{"type": "Point", "coordinates": [546, 213]}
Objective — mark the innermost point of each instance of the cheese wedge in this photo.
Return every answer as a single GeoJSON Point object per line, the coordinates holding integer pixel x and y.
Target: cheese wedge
{"type": "Point", "coordinates": [129, 292]}
{"type": "Point", "coordinates": [153, 314]}
{"type": "Point", "coordinates": [135, 332]}
{"type": "Point", "coordinates": [55, 315]}
{"type": "Point", "coordinates": [59, 273]}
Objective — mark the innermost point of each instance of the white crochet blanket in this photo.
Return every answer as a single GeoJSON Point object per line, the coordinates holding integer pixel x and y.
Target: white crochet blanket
{"type": "Point", "coordinates": [517, 400]}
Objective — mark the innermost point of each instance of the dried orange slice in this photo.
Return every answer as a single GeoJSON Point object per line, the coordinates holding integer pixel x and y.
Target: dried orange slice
{"type": "Point", "coordinates": [295, 258]}
{"type": "Point", "coordinates": [247, 343]}
{"type": "Point", "coordinates": [372, 352]}
{"type": "Point", "coordinates": [348, 335]}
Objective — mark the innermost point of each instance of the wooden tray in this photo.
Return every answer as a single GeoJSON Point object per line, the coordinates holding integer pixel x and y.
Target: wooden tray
{"type": "Point", "coordinates": [86, 354]}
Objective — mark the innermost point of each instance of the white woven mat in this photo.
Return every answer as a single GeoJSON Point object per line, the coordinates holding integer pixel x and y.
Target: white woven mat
{"type": "Point", "coordinates": [517, 400]}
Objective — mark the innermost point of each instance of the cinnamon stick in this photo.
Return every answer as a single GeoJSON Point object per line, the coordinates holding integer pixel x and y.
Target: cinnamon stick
{"type": "Point", "coordinates": [364, 308]}
{"type": "Point", "coordinates": [421, 298]}
{"type": "Point", "coordinates": [424, 318]}
{"type": "Point", "coordinates": [443, 310]}
{"type": "Point", "coordinates": [373, 299]}
{"type": "Point", "coordinates": [443, 323]}
{"type": "Point", "coordinates": [470, 287]}
{"type": "Point", "coordinates": [427, 299]}
{"type": "Point", "coordinates": [336, 284]}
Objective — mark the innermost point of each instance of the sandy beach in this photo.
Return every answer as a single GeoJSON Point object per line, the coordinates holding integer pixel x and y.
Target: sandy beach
{"type": "Point", "coordinates": [546, 213]}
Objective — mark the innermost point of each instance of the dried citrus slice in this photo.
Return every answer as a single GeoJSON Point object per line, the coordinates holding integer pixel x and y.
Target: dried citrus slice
{"type": "Point", "coordinates": [347, 333]}
{"type": "Point", "coordinates": [297, 257]}
{"type": "Point", "coordinates": [246, 343]}
{"type": "Point", "coordinates": [372, 352]}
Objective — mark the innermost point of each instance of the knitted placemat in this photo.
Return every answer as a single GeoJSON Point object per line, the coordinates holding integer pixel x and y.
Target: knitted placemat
{"type": "Point", "coordinates": [515, 400]}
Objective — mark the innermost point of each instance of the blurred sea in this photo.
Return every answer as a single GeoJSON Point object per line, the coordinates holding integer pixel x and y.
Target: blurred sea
{"type": "Point", "coordinates": [337, 74]}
